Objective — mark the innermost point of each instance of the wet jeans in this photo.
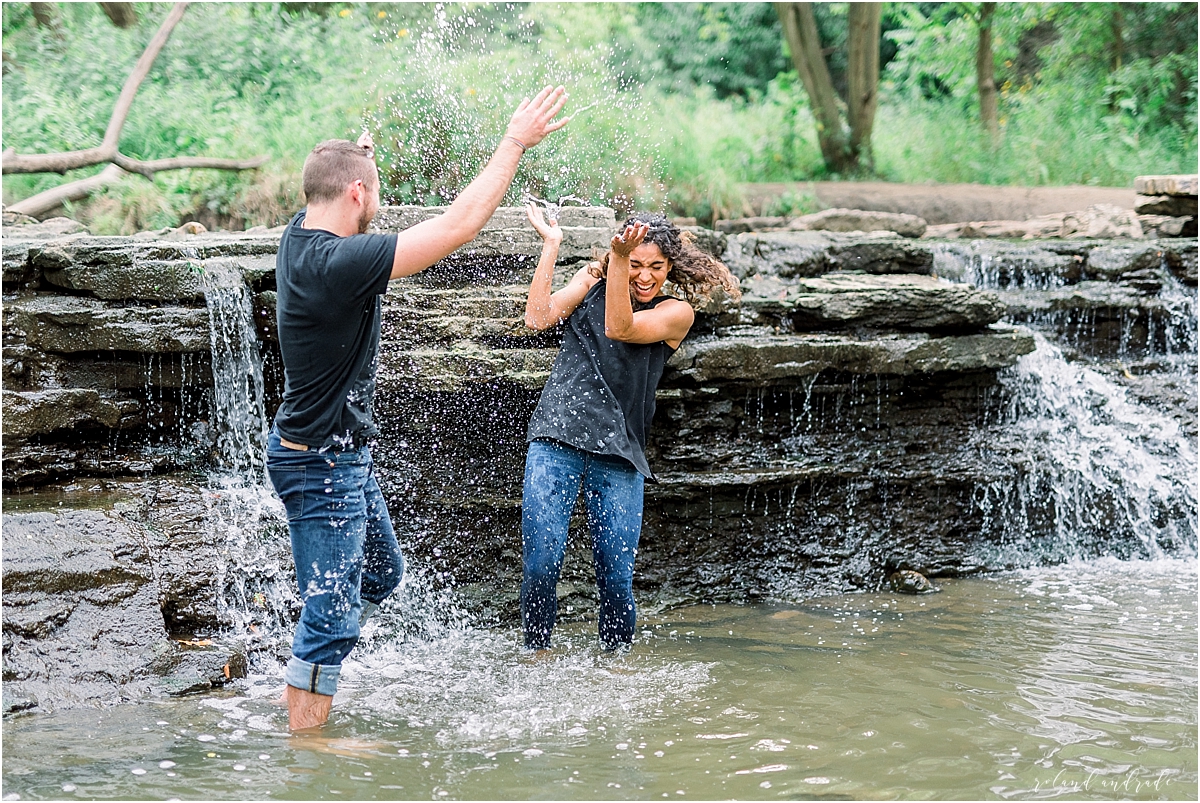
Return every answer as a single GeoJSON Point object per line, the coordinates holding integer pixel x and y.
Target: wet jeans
{"type": "Point", "coordinates": [612, 491]}
{"type": "Point", "coordinates": [345, 551]}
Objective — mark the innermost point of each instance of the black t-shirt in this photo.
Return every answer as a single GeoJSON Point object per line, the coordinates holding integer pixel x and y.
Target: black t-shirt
{"type": "Point", "coordinates": [328, 311]}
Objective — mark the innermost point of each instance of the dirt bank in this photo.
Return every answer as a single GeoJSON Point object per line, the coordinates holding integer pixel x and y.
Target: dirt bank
{"type": "Point", "coordinates": [945, 203]}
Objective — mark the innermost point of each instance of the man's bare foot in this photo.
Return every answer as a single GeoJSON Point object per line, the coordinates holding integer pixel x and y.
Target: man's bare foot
{"type": "Point", "coordinates": [305, 709]}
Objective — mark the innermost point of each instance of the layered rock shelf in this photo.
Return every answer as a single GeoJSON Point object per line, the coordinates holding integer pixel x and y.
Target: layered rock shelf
{"type": "Point", "coordinates": [844, 421]}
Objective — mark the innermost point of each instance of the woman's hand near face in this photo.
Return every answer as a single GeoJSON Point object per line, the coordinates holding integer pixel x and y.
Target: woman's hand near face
{"type": "Point", "coordinates": [622, 244]}
{"type": "Point", "coordinates": [550, 232]}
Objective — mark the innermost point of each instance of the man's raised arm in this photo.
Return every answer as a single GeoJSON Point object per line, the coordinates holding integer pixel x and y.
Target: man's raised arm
{"type": "Point", "coordinates": [422, 245]}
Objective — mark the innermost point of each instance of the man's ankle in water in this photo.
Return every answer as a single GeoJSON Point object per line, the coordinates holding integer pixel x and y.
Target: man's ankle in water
{"type": "Point", "coordinates": [306, 709]}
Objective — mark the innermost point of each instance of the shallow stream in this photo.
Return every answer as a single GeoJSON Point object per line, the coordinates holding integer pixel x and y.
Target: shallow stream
{"type": "Point", "coordinates": [1076, 681]}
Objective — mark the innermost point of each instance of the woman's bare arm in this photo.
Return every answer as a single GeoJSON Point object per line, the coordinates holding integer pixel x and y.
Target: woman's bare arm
{"type": "Point", "coordinates": [668, 322]}
{"type": "Point", "coordinates": [544, 309]}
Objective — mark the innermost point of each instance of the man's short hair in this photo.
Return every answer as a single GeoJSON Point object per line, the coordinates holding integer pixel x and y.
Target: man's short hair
{"type": "Point", "coordinates": [334, 165]}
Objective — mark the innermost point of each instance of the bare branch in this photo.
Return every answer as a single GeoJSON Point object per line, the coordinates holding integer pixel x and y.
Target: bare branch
{"type": "Point", "coordinates": [140, 70]}
{"type": "Point", "coordinates": [107, 150]}
{"type": "Point", "coordinates": [148, 169]}
{"type": "Point", "coordinates": [43, 202]}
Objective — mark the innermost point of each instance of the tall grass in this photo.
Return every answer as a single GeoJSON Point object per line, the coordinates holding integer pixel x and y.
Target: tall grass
{"type": "Point", "coordinates": [1044, 141]}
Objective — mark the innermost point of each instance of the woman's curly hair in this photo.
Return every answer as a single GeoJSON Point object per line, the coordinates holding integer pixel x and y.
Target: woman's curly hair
{"type": "Point", "coordinates": [695, 273]}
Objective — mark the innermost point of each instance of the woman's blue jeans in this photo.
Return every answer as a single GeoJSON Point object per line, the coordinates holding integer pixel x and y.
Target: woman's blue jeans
{"type": "Point", "coordinates": [612, 490]}
{"type": "Point", "coordinates": [345, 552]}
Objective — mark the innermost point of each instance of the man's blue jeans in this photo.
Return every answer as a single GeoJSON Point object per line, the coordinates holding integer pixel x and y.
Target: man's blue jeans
{"type": "Point", "coordinates": [612, 491]}
{"type": "Point", "coordinates": [345, 552]}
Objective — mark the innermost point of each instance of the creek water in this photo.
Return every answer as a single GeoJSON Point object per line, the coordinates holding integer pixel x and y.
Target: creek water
{"type": "Point", "coordinates": [1076, 681]}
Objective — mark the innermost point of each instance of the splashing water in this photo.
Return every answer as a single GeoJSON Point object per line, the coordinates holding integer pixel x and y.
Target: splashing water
{"type": "Point", "coordinates": [554, 208]}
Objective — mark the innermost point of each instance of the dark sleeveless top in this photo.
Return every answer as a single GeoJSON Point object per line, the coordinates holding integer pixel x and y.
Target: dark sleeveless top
{"type": "Point", "coordinates": [600, 395]}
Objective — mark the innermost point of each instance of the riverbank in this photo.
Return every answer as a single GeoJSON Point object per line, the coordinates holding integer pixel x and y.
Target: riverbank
{"type": "Point", "coordinates": [940, 203]}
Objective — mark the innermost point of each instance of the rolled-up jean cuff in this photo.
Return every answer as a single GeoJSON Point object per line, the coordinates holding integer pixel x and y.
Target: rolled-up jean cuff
{"type": "Point", "coordinates": [315, 678]}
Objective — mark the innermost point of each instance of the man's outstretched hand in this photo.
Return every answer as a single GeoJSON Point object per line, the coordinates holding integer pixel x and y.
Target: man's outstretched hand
{"type": "Point", "coordinates": [534, 119]}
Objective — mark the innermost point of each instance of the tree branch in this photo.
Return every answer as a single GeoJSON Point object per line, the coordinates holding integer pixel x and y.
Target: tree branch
{"type": "Point", "coordinates": [37, 205]}
{"type": "Point", "coordinates": [148, 169]}
{"type": "Point", "coordinates": [107, 150]}
{"type": "Point", "coordinates": [140, 71]}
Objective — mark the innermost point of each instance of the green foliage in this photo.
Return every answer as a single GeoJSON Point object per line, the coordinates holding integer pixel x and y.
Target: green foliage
{"type": "Point", "coordinates": [675, 105]}
{"type": "Point", "coordinates": [793, 204]}
{"type": "Point", "coordinates": [733, 48]}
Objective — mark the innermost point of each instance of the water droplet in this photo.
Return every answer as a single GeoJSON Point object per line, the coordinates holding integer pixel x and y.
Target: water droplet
{"type": "Point", "coordinates": [205, 737]}
{"type": "Point", "coordinates": [166, 765]}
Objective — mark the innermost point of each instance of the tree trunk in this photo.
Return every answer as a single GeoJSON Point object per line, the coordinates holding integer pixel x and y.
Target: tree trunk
{"type": "Point", "coordinates": [985, 73]}
{"type": "Point", "coordinates": [121, 14]}
{"type": "Point", "coordinates": [1118, 46]}
{"type": "Point", "coordinates": [800, 31]}
{"type": "Point", "coordinates": [863, 77]}
{"type": "Point", "coordinates": [46, 16]}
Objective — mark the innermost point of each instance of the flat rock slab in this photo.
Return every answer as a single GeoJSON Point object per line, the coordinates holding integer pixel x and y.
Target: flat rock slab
{"type": "Point", "coordinates": [847, 220]}
{"type": "Point", "coordinates": [68, 324]}
{"type": "Point", "coordinates": [462, 366]}
{"type": "Point", "coordinates": [43, 411]}
{"type": "Point", "coordinates": [1111, 262]}
{"type": "Point", "coordinates": [1166, 185]}
{"type": "Point", "coordinates": [509, 233]}
{"type": "Point", "coordinates": [758, 359]}
{"type": "Point", "coordinates": [798, 254]}
{"type": "Point", "coordinates": [907, 302]}
{"type": "Point", "coordinates": [1092, 295]}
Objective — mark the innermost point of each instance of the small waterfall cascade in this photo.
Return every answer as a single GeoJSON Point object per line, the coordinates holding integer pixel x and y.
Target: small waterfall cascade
{"type": "Point", "coordinates": [1098, 469]}
{"type": "Point", "coordinates": [1180, 341]}
{"type": "Point", "coordinates": [238, 413]}
{"type": "Point", "coordinates": [993, 269]}
{"type": "Point", "coordinates": [257, 589]}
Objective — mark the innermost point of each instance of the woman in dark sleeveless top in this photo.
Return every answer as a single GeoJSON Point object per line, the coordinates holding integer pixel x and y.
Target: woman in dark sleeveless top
{"type": "Point", "coordinates": [589, 429]}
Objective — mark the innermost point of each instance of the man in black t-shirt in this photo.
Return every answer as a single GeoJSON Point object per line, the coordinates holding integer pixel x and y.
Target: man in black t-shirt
{"type": "Point", "coordinates": [330, 276]}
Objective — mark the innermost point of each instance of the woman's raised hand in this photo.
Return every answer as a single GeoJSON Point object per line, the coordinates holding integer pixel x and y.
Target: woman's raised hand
{"type": "Point", "coordinates": [623, 244]}
{"type": "Point", "coordinates": [550, 232]}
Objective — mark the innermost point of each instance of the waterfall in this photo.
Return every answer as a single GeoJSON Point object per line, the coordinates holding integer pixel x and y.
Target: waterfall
{"type": "Point", "coordinates": [1095, 470]}
{"type": "Point", "coordinates": [238, 416]}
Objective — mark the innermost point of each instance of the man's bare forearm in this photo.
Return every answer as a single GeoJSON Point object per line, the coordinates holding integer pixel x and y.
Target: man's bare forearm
{"type": "Point", "coordinates": [475, 205]}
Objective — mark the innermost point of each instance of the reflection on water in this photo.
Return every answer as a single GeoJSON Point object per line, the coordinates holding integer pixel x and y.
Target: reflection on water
{"type": "Point", "coordinates": [1076, 681]}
